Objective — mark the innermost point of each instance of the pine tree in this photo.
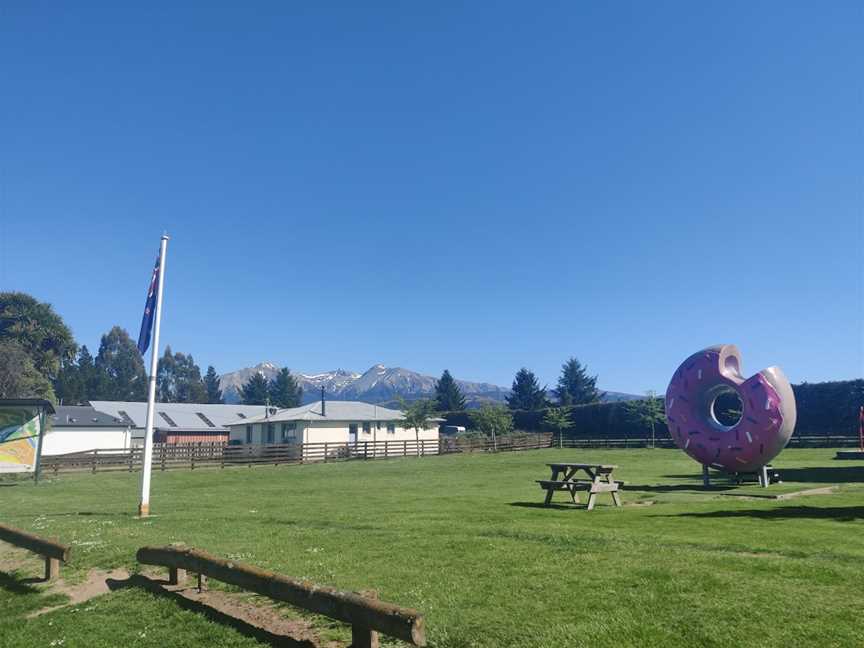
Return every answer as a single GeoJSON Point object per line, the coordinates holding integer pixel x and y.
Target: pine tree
{"type": "Point", "coordinates": [526, 393]}
{"type": "Point", "coordinates": [211, 384]}
{"type": "Point", "coordinates": [255, 391]}
{"type": "Point", "coordinates": [120, 369]}
{"type": "Point", "coordinates": [575, 386]}
{"type": "Point", "coordinates": [448, 395]}
{"type": "Point", "coordinates": [285, 391]}
{"type": "Point", "coordinates": [90, 378]}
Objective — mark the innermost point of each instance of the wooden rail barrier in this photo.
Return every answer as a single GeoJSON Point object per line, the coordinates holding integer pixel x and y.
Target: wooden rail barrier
{"type": "Point", "coordinates": [196, 456]}
{"type": "Point", "coordinates": [53, 552]}
{"type": "Point", "coordinates": [367, 616]}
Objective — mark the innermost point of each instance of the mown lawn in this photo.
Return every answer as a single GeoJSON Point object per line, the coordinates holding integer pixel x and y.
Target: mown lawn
{"type": "Point", "coordinates": [463, 539]}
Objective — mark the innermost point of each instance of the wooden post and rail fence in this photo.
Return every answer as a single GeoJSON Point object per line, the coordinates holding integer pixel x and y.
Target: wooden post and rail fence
{"type": "Point", "coordinates": [363, 611]}
{"type": "Point", "coordinates": [194, 456]}
{"type": "Point", "coordinates": [366, 614]}
{"type": "Point", "coordinates": [53, 552]}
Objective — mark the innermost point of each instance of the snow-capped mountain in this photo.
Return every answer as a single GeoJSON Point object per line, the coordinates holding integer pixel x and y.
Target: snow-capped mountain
{"type": "Point", "coordinates": [378, 384]}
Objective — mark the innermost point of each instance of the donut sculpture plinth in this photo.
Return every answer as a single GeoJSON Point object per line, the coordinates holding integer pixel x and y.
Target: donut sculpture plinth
{"type": "Point", "coordinates": [767, 419]}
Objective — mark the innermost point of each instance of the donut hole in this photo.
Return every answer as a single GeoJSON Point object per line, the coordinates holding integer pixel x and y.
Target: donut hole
{"type": "Point", "coordinates": [727, 408]}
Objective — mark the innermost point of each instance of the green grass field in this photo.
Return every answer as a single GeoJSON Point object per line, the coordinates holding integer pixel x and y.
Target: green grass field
{"type": "Point", "coordinates": [465, 540]}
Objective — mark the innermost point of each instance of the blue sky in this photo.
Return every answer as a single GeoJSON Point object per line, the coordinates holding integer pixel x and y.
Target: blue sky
{"type": "Point", "coordinates": [444, 185]}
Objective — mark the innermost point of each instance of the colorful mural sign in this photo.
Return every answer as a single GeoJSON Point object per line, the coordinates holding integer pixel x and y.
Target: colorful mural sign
{"type": "Point", "coordinates": [19, 437]}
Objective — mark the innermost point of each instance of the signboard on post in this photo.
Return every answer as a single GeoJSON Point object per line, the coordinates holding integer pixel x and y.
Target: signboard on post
{"type": "Point", "coordinates": [22, 425]}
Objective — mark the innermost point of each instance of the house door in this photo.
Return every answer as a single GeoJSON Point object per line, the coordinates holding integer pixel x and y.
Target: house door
{"type": "Point", "coordinates": [352, 433]}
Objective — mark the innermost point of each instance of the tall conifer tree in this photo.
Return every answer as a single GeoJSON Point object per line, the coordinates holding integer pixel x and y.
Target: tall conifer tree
{"type": "Point", "coordinates": [448, 395]}
{"type": "Point", "coordinates": [211, 384]}
{"type": "Point", "coordinates": [256, 391]}
{"type": "Point", "coordinates": [575, 385]}
{"type": "Point", "coordinates": [285, 390]}
{"type": "Point", "coordinates": [526, 393]}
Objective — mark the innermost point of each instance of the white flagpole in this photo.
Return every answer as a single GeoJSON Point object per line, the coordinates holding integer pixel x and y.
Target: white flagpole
{"type": "Point", "coordinates": [144, 506]}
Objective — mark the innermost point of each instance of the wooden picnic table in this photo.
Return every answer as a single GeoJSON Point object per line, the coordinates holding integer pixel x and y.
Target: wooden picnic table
{"type": "Point", "coordinates": [565, 476]}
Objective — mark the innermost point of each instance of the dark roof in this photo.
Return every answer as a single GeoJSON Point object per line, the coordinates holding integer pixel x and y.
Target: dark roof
{"type": "Point", "coordinates": [69, 416]}
{"type": "Point", "coordinates": [27, 402]}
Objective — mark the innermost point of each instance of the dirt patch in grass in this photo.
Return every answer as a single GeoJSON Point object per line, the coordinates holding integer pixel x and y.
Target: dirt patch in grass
{"type": "Point", "coordinates": [94, 585]}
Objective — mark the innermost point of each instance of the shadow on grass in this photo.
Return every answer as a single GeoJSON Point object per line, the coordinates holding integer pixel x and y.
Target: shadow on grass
{"type": "Point", "coordinates": [210, 613]}
{"type": "Point", "coordinates": [816, 475]}
{"type": "Point", "coordinates": [839, 513]}
{"type": "Point", "coordinates": [678, 488]}
{"type": "Point", "coordinates": [552, 505]}
{"type": "Point", "coordinates": [15, 585]}
{"type": "Point", "coordinates": [99, 513]}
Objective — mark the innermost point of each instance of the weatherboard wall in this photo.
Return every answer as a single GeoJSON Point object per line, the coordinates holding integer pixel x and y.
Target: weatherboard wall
{"type": "Point", "coordinates": [82, 439]}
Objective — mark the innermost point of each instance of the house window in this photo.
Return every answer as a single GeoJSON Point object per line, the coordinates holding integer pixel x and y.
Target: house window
{"type": "Point", "coordinates": [367, 427]}
{"type": "Point", "coordinates": [271, 432]}
{"type": "Point", "coordinates": [248, 434]}
{"type": "Point", "coordinates": [289, 432]}
{"type": "Point", "coordinates": [391, 428]}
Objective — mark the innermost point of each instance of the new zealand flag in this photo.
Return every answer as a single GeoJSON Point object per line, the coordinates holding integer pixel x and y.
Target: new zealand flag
{"type": "Point", "coordinates": [149, 310]}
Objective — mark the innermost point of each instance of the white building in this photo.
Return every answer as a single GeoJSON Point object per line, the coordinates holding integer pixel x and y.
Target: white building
{"type": "Point", "coordinates": [329, 422]}
{"type": "Point", "coordinates": [82, 428]}
{"type": "Point", "coordinates": [179, 422]}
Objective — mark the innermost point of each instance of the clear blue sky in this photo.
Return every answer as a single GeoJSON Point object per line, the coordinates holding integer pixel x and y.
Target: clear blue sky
{"type": "Point", "coordinates": [435, 185]}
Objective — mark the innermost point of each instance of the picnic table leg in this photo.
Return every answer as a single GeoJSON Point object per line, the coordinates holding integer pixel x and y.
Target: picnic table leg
{"type": "Point", "coordinates": [574, 495]}
{"type": "Point", "coordinates": [592, 494]}
{"type": "Point", "coordinates": [550, 491]}
{"type": "Point", "coordinates": [615, 496]}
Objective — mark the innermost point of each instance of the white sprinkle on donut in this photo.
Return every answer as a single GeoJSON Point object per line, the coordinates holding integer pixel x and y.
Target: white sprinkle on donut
{"type": "Point", "coordinates": [687, 444]}
{"type": "Point", "coordinates": [767, 404]}
{"type": "Point", "coordinates": [749, 438]}
{"type": "Point", "coordinates": [699, 374]}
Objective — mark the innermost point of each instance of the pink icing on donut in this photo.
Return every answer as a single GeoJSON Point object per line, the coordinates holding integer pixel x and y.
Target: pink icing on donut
{"type": "Point", "coordinates": [760, 434]}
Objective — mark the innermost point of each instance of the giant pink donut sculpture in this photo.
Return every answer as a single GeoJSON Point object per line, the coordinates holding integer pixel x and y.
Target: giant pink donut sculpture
{"type": "Point", "coordinates": [767, 420]}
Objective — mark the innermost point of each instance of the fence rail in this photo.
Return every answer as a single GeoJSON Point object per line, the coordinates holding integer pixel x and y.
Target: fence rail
{"type": "Point", "coordinates": [195, 456]}
{"type": "Point", "coordinates": [220, 455]}
{"type": "Point", "coordinates": [53, 552]}
{"type": "Point", "coordinates": [367, 615]}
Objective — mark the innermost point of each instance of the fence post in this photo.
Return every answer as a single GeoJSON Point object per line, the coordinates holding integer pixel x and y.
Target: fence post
{"type": "Point", "coordinates": [95, 459]}
{"type": "Point", "coordinates": [363, 636]}
{"type": "Point", "coordinates": [131, 455]}
{"type": "Point", "coordinates": [222, 457]}
{"type": "Point", "coordinates": [325, 452]}
{"type": "Point", "coordinates": [365, 450]}
{"type": "Point", "coordinates": [405, 448]}
{"type": "Point", "coordinates": [386, 450]}
{"type": "Point", "coordinates": [192, 456]}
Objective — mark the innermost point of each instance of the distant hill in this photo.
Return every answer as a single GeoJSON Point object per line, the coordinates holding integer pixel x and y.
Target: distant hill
{"type": "Point", "coordinates": [378, 384]}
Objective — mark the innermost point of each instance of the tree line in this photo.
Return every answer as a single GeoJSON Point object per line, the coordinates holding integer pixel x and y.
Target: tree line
{"type": "Point", "coordinates": [39, 358]}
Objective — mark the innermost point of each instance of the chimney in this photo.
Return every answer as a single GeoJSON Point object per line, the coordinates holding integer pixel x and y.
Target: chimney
{"type": "Point", "coordinates": [323, 403]}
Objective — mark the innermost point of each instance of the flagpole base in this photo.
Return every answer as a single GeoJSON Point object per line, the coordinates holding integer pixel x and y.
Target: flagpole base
{"type": "Point", "coordinates": [143, 510]}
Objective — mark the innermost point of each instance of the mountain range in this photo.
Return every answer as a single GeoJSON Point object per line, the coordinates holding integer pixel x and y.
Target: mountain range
{"type": "Point", "coordinates": [378, 384]}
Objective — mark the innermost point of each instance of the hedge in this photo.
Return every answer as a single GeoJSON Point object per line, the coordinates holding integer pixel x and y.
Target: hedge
{"type": "Point", "coordinates": [829, 408]}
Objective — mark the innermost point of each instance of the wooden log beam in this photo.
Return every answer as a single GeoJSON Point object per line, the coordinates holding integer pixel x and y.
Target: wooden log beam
{"type": "Point", "coordinates": [41, 546]}
{"type": "Point", "coordinates": [399, 622]}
